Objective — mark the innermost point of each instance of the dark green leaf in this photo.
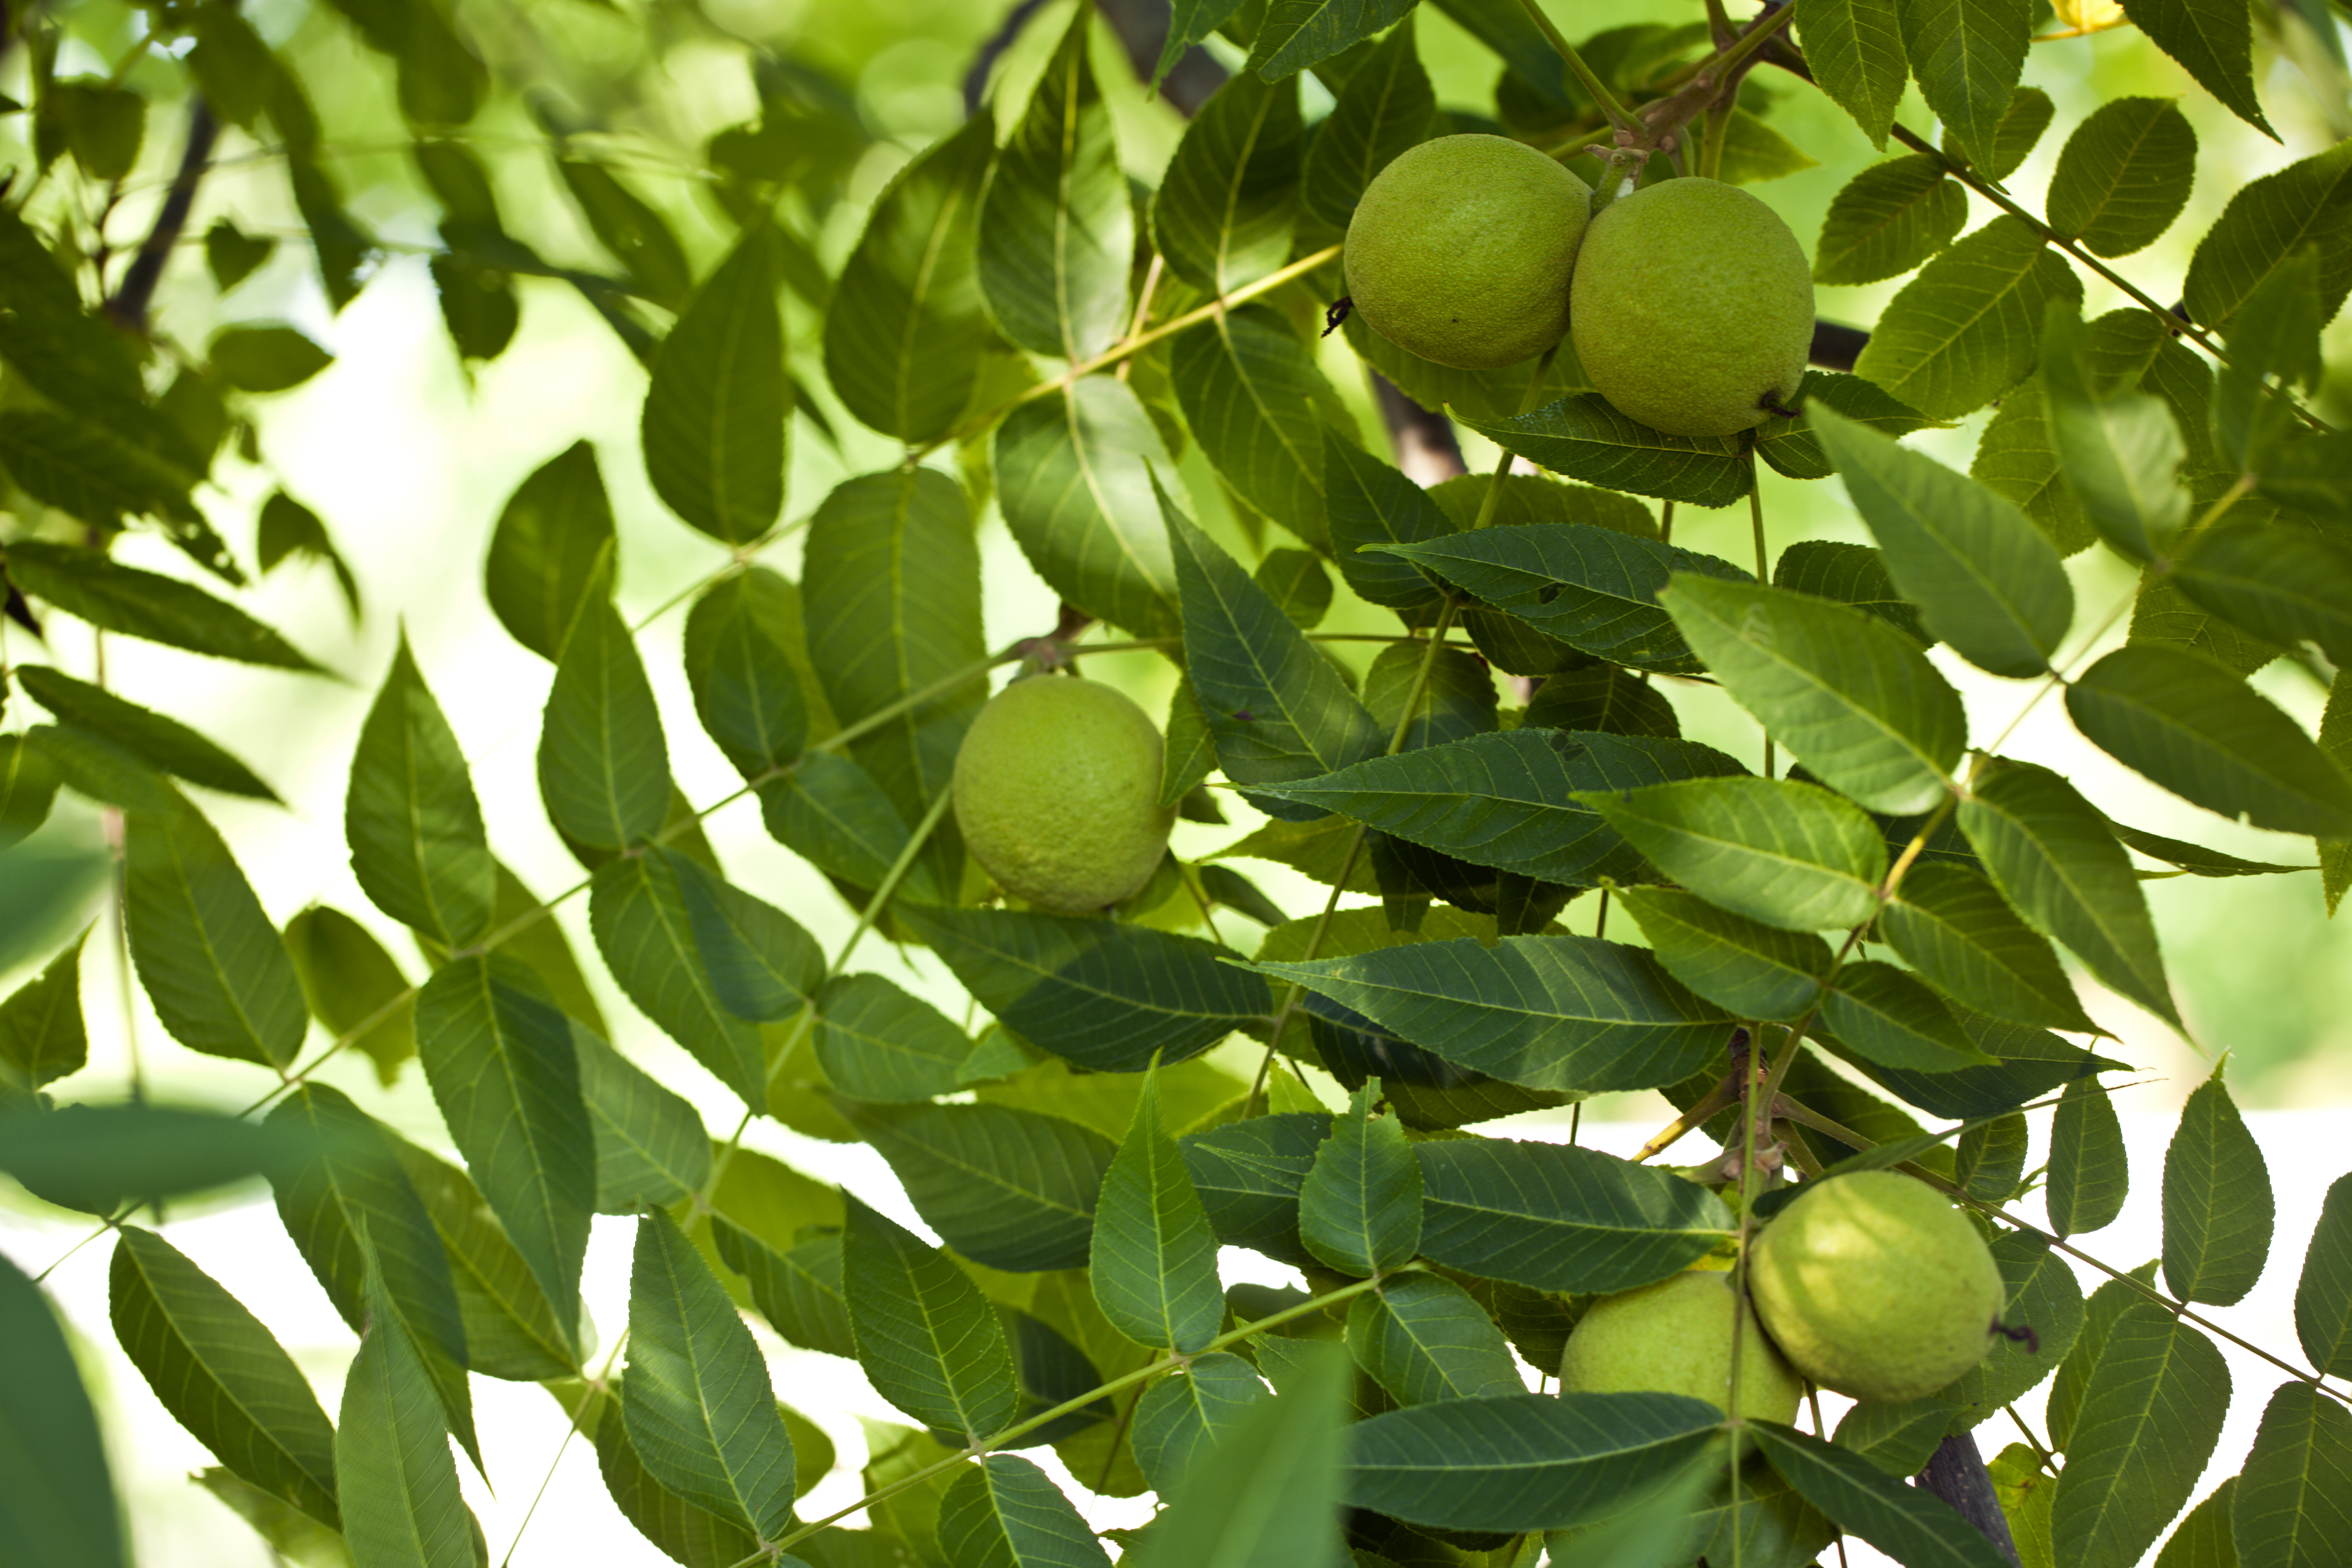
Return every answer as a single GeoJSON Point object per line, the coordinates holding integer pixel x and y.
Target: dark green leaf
{"type": "Point", "coordinates": [1554, 1216]}
{"type": "Point", "coordinates": [1985, 579]}
{"type": "Point", "coordinates": [1226, 206]}
{"type": "Point", "coordinates": [645, 929]}
{"type": "Point", "coordinates": [42, 1037]}
{"type": "Point", "coordinates": [1965, 330]}
{"type": "Point", "coordinates": [1259, 405]}
{"type": "Point", "coordinates": [924, 1335]}
{"type": "Point", "coordinates": [511, 1330]}
{"type": "Point", "coordinates": [1967, 58]}
{"type": "Point", "coordinates": [1074, 472]}
{"type": "Point", "coordinates": [2050, 854]}
{"type": "Point", "coordinates": [418, 846]}
{"type": "Point", "coordinates": [697, 1403]}
{"type": "Point", "coordinates": [1006, 1512]}
{"type": "Point", "coordinates": [1424, 1339]}
{"type": "Point", "coordinates": [2217, 1210]}
{"type": "Point", "coordinates": [1360, 1206]}
{"type": "Point", "coordinates": [877, 1043]}
{"type": "Point", "coordinates": [233, 256]}
{"type": "Point", "coordinates": [2203, 1540]}
{"type": "Point", "coordinates": [603, 766]}
{"type": "Point", "coordinates": [1384, 108]}
{"type": "Point", "coordinates": [2266, 223]}
{"type": "Point", "coordinates": [2124, 175]}
{"type": "Point", "coordinates": [2043, 1296]}
{"type": "Point", "coordinates": [1607, 699]}
{"type": "Point", "coordinates": [761, 964]}
{"type": "Point", "coordinates": [1104, 995]}
{"type": "Point", "coordinates": [1753, 970]}
{"type": "Point", "coordinates": [1855, 50]}
{"type": "Point", "coordinates": [1267, 1494]}
{"type": "Point", "coordinates": [57, 1498]}
{"type": "Point", "coordinates": [138, 603]}
{"type": "Point", "coordinates": [1154, 1261]}
{"type": "Point", "coordinates": [1566, 1013]}
{"type": "Point", "coordinates": [1296, 34]}
{"type": "Point", "coordinates": [2118, 450]}
{"type": "Point", "coordinates": [1854, 699]}
{"type": "Point", "coordinates": [1912, 1526]}
{"type": "Point", "coordinates": [2214, 41]}
{"type": "Point", "coordinates": [1249, 1174]}
{"type": "Point", "coordinates": [90, 1157]}
{"type": "Point", "coordinates": [28, 786]}
{"type": "Point", "coordinates": [267, 358]}
{"type": "Point", "coordinates": [1582, 437]}
{"type": "Point", "coordinates": [2323, 1293]}
{"type": "Point", "coordinates": [1181, 1417]}
{"type": "Point", "coordinates": [2192, 728]}
{"type": "Point", "coordinates": [797, 1290]}
{"type": "Point", "coordinates": [745, 660]}
{"type": "Point", "coordinates": [1888, 219]}
{"type": "Point", "coordinates": [1881, 1013]}
{"type": "Point", "coordinates": [1899, 1437]}
{"type": "Point", "coordinates": [1057, 233]}
{"type": "Point", "coordinates": [833, 813]}
{"type": "Point", "coordinates": [650, 1144]}
{"type": "Point", "coordinates": [1521, 1461]}
{"type": "Point", "coordinates": [689, 1534]}
{"type": "Point", "coordinates": [2274, 332]}
{"type": "Point", "coordinates": [1952, 926]}
{"type": "Point", "coordinates": [210, 960]}
{"type": "Point", "coordinates": [505, 1076]}
{"type": "Point", "coordinates": [2153, 1395]}
{"type": "Point", "coordinates": [222, 1376]}
{"type": "Point", "coordinates": [2290, 1510]}
{"type": "Point", "coordinates": [1790, 855]}
{"type": "Point", "coordinates": [2089, 1176]}
{"type": "Point", "coordinates": [1372, 506]}
{"type": "Point", "coordinates": [635, 232]}
{"type": "Point", "coordinates": [903, 338]}
{"type": "Point", "coordinates": [397, 1483]}
{"type": "Point", "coordinates": [719, 404]}
{"type": "Point", "coordinates": [1006, 1187]}
{"type": "Point", "coordinates": [548, 548]}
{"type": "Point", "coordinates": [2284, 584]}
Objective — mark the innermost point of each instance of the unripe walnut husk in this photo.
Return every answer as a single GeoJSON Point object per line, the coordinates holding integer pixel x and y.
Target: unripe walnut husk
{"type": "Point", "coordinates": [1674, 1337]}
{"type": "Point", "coordinates": [1876, 1286]}
{"type": "Point", "coordinates": [1057, 794]}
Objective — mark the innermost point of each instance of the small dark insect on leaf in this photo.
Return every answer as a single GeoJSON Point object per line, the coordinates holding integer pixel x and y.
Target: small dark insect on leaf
{"type": "Point", "coordinates": [1547, 594]}
{"type": "Point", "coordinates": [1336, 312]}
{"type": "Point", "coordinates": [1244, 715]}
{"type": "Point", "coordinates": [2020, 1334]}
{"type": "Point", "coordinates": [1772, 404]}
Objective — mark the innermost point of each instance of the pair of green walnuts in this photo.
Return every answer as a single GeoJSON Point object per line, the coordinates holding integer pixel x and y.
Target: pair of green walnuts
{"type": "Point", "coordinates": [1689, 302]}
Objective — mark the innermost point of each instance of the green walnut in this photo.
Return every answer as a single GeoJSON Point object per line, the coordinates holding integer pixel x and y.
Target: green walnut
{"type": "Point", "coordinates": [1461, 248]}
{"type": "Point", "coordinates": [1874, 1285]}
{"type": "Point", "coordinates": [1674, 1337]}
{"type": "Point", "coordinates": [1692, 305]}
{"type": "Point", "coordinates": [1058, 792]}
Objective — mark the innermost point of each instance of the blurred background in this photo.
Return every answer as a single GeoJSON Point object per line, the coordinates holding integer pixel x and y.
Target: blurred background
{"type": "Point", "coordinates": [408, 456]}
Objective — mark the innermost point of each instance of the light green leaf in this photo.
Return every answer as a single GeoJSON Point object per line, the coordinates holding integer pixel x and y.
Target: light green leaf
{"type": "Point", "coordinates": [546, 551]}
{"type": "Point", "coordinates": [834, 813]}
{"type": "Point", "coordinates": [762, 965]}
{"type": "Point", "coordinates": [926, 1336]}
{"type": "Point", "coordinates": [1753, 970]}
{"type": "Point", "coordinates": [2218, 1209]}
{"type": "Point", "coordinates": [57, 1498]}
{"type": "Point", "coordinates": [718, 405]}
{"type": "Point", "coordinates": [138, 603]}
{"type": "Point", "coordinates": [1556, 1218]}
{"type": "Point", "coordinates": [511, 1330]}
{"type": "Point", "coordinates": [2028, 115]}
{"type": "Point", "coordinates": [352, 1214]}
{"type": "Point", "coordinates": [904, 334]}
{"type": "Point", "coordinates": [1183, 1416]}
{"type": "Point", "coordinates": [2124, 175]}
{"type": "Point", "coordinates": [2043, 1296]}
{"type": "Point", "coordinates": [164, 743]}
{"type": "Point", "coordinates": [1006, 1512]}
{"type": "Point", "coordinates": [1103, 996]}
{"type": "Point", "coordinates": [2117, 452]}
{"type": "Point", "coordinates": [29, 788]}
{"type": "Point", "coordinates": [1153, 1266]}
{"type": "Point", "coordinates": [1507, 799]}
{"type": "Point", "coordinates": [1855, 50]}
{"type": "Point", "coordinates": [1912, 1526]}
{"type": "Point", "coordinates": [1259, 405]}
{"type": "Point", "coordinates": [393, 1467]}
{"type": "Point", "coordinates": [504, 1072]}
{"type": "Point", "coordinates": [687, 1533]}
{"type": "Point", "coordinates": [1057, 233]}
{"type": "Point", "coordinates": [1883, 1012]}
{"type": "Point", "coordinates": [1952, 926]}
{"type": "Point", "coordinates": [1267, 1494]}
{"type": "Point", "coordinates": [603, 766]}
{"type": "Point", "coordinates": [1567, 1012]}
{"type": "Point", "coordinates": [1006, 1187]}
{"type": "Point", "coordinates": [1074, 475]}
{"type": "Point", "coordinates": [647, 934]}
{"type": "Point", "coordinates": [2203, 1539]}
{"type": "Point", "coordinates": [1226, 208]}
{"type": "Point", "coordinates": [418, 846]}
{"type": "Point", "coordinates": [1965, 330]}
{"type": "Point", "coordinates": [1583, 437]}
{"type": "Point", "coordinates": [223, 1377]}
{"type": "Point", "coordinates": [1594, 588]}
{"type": "Point", "coordinates": [1967, 58]}
{"type": "Point", "coordinates": [651, 1147]}
{"type": "Point", "coordinates": [2053, 857]}
{"type": "Point", "coordinates": [2291, 1510]}
{"type": "Point", "coordinates": [266, 357]}
{"type": "Point", "coordinates": [878, 1043]}
{"type": "Point", "coordinates": [1854, 699]}
{"type": "Point", "coordinates": [208, 955]}
{"type": "Point", "coordinates": [1889, 218]}
{"type": "Point", "coordinates": [798, 1289]}
{"type": "Point", "coordinates": [1985, 579]}
{"type": "Point", "coordinates": [2267, 222]}
{"type": "Point", "coordinates": [1424, 1339]}
{"type": "Point", "coordinates": [2154, 1393]}
{"type": "Point", "coordinates": [1384, 108]}
{"type": "Point", "coordinates": [42, 1035]}
{"type": "Point", "coordinates": [2323, 1293]}
{"type": "Point", "coordinates": [2089, 1174]}
{"type": "Point", "coordinates": [635, 233]}
{"type": "Point", "coordinates": [890, 586]}
{"type": "Point", "coordinates": [2335, 739]}
{"type": "Point", "coordinates": [2285, 584]}
{"type": "Point", "coordinates": [1790, 855]}
{"type": "Point", "coordinates": [2214, 41]}
{"type": "Point", "coordinates": [1521, 1461]}
{"type": "Point", "coordinates": [1360, 1206]}
{"type": "Point", "coordinates": [2189, 726]}
{"type": "Point", "coordinates": [2018, 457]}
{"type": "Point", "coordinates": [697, 1403]}
{"type": "Point", "coordinates": [748, 679]}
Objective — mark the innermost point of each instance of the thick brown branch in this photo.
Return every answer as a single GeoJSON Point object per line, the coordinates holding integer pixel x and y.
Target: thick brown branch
{"type": "Point", "coordinates": [128, 308]}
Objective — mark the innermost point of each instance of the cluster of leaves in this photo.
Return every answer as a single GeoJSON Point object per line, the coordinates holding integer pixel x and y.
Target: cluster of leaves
{"type": "Point", "coordinates": [1082, 1158]}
